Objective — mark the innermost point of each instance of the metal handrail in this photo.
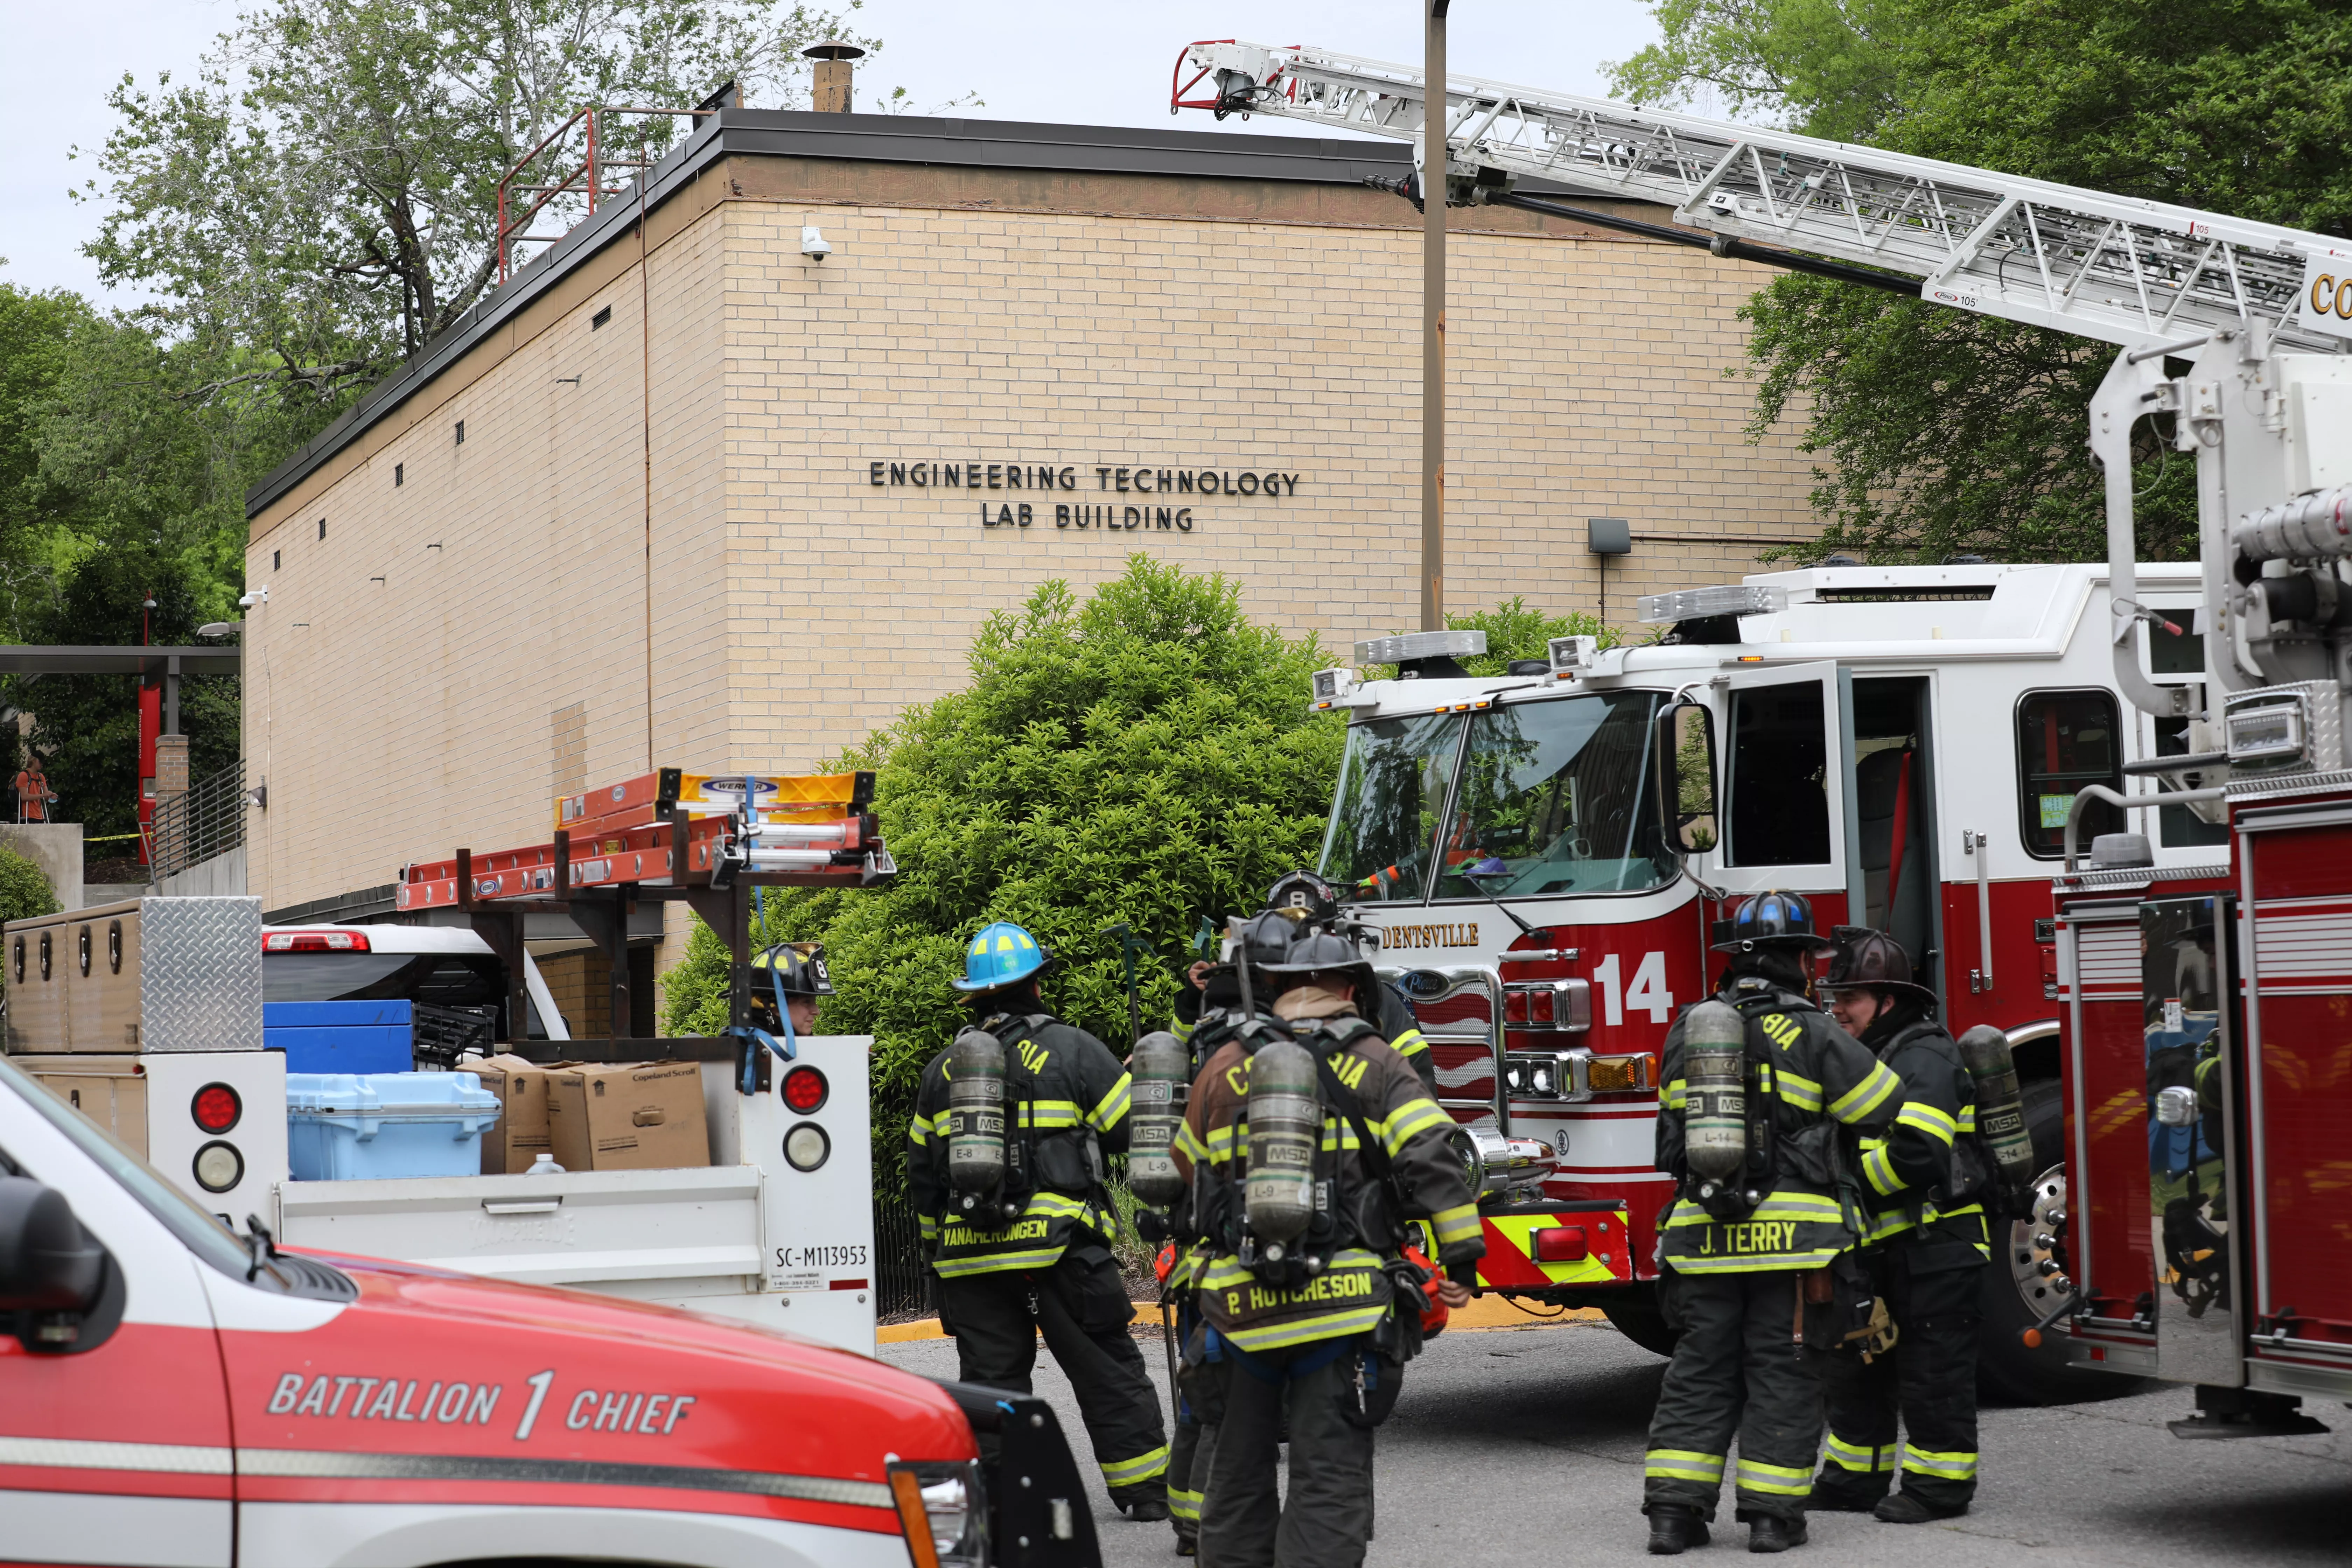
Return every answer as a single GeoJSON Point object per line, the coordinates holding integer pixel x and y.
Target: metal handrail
{"type": "Point", "coordinates": [208, 820]}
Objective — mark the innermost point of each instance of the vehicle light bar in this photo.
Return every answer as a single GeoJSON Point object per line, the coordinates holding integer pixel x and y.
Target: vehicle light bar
{"type": "Point", "coordinates": [1621, 1075]}
{"type": "Point", "coordinates": [1703, 603]}
{"type": "Point", "coordinates": [314, 941]}
{"type": "Point", "coordinates": [1407, 645]}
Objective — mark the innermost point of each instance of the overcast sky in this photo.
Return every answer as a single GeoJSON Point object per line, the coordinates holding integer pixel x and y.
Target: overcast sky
{"type": "Point", "coordinates": [1097, 62]}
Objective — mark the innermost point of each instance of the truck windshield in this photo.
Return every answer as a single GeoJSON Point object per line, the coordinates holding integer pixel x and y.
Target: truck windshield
{"type": "Point", "coordinates": [1556, 798]}
{"type": "Point", "coordinates": [1393, 786]}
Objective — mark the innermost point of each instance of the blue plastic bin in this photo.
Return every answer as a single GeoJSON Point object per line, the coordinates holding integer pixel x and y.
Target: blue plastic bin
{"type": "Point", "coordinates": [348, 1127]}
{"type": "Point", "coordinates": [342, 1037]}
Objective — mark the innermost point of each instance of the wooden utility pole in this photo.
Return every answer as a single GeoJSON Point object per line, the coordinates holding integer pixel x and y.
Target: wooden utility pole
{"type": "Point", "coordinates": [1432, 324]}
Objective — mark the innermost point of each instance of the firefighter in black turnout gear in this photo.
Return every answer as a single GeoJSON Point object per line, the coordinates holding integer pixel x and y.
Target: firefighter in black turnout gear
{"type": "Point", "coordinates": [1004, 1163]}
{"type": "Point", "coordinates": [1309, 1144]}
{"type": "Point", "coordinates": [1925, 1184]}
{"type": "Point", "coordinates": [1757, 1084]}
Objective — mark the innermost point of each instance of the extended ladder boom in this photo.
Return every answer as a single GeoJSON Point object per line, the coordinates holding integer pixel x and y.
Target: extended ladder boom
{"type": "Point", "coordinates": [2100, 266]}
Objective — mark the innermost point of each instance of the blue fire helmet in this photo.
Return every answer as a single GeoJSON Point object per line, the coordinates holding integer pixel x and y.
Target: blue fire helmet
{"type": "Point", "coordinates": [1001, 954]}
{"type": "Point", "coordinates": [1771, 918]}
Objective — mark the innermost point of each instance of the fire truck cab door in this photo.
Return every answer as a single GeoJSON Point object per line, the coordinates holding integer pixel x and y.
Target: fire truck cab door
{"type": "Point", "coordinates": [1785, 798]}
{"type": "Point", "coordinates": [117, 1452]}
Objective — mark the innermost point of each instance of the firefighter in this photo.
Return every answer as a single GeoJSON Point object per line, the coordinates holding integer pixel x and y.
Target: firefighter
{"type": "Point", "coordinates": [1924, 1183]}
{"type": "Point", "coordinates": [1308, 903]}
{"type": "Point", "coordinates": [794, 975]}
{"type": "Point", "coordinates": [1215, 1016]}
{"type": "Point", "coordinates": [1736, 1247]}
{"type": "Point", "coordinates": [1034, 1253]}
{"type": "Point", "coordinates": [1309, 1144]}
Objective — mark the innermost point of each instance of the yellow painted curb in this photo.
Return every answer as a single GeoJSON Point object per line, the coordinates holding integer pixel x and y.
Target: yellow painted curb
{"type": "Point", "coordinates": [1487, 1312]}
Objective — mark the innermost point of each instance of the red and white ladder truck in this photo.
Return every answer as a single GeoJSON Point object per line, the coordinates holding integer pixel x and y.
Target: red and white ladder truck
{"type": "Point", "coordinates": [1902, 744]}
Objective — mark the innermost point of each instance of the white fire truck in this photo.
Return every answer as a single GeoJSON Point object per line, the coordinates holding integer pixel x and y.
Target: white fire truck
{"type": "Point", "coordinates": [1911, 747]}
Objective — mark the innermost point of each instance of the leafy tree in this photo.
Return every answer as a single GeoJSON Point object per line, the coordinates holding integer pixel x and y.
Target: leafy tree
{"type": "Point", "coordinates": [322, 197]}
{"type": "Point", "coordinates": [24, 890]}
{"type": "Point", "coordinates": [1145, 756]}
{"type": "Point", "coordinates": [1945, 432]}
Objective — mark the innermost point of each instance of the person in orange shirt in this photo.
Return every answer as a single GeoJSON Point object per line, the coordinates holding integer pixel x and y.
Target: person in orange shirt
{"type": "Point", "coordinates": [33, 792]}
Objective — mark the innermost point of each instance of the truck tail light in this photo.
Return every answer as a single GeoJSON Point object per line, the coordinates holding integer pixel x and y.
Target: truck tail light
{"type": "Point", "coordinates": [806, 1089]}
{"type": "Point", "coordinates": [1561, 1244]}
{"type": "Point", "coordinates": [216, 1108]}
{"type": "Point", "coordinates": [1621, 1075]}
{"type": "Point", "coordinates": [943, 1514]}
{"type": "Point", "coordinates": [218, 1166]}
{"type": "Point", "coordinates": [314, 941]}
{"type": "Point", "coordinates": [806, 1147]}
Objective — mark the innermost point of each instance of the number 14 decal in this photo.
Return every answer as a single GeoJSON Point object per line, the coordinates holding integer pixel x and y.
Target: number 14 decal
{"type": "Point", "coordinates": [1648, 994]}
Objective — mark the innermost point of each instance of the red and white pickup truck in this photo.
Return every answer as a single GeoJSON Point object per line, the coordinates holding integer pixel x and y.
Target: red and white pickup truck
{"type": "Point", "coordinates": [174, 1393]}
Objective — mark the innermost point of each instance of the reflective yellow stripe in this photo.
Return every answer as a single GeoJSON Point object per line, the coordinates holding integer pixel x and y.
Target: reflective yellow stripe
{"type": "Point", "coordinates": [1856, 1103]}
{"type": "Point", "coordinates": [1180, 1029]}
{"type": "Point", "coordinates": [1050, 1114]}
{"type": "Point", "coordinates": [1862, 1458]}
{"type": "Point", "coordinates": [1779, 1206]}
{"type": "Point", "coordinates": [919, 1132]}
{"type": "Point", "coordinates": [1409, 1044]}
{"type": "Point", "coordinates": [1780, 1480]}
{"type": "Point", "coordinates": [1967, 1118]}
{"type": "Point", "coordinates": [1188, 1144]}
{"type": "Point", "coordinates": [1674, 1096]}
{"type": "Point", "coordinates": [998, 1262]}
{"type": "Point", "coordinates": [1409, 1121]}
{"type": "Point", "coordinates": [1142, 1468]}
{"type": "Point", "coordinates": [1798, 1092]}
{"type": "Point", "coordinates": [928, 1226]}
{"type": "Point", "coordinates": [1304, 1330]}
{"type": "Point", "coordinates": [1880, 1168]}
{"type": "Point", "coordinates": [1456, 1224]}
{"type": "Point", "coordinates": [1112, 1110]}
{"type": "Point", "coordinates": [1682, 1465]}
{"type": "Point", "coordinates": [1894, 1221]}
{"type": "Point", "coordinates": [1950, 1467]}
{"type": "Point", "coordinates": [1184, 1504]}
{"type": "Point", "coordinates": [1928, 1119]}
{"type": "Point", "coordinates": [1342, 1137]}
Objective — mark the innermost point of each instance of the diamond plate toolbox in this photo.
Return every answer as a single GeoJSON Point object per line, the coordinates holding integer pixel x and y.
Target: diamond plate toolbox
{"type": "Point", "coordinates": [200, 975]}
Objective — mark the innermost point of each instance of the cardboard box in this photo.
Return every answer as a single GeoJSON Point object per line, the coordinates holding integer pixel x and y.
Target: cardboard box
{"type": "Point", "coordinates": [647, 1115]}
{"type": "Point", "coordinates": [520, 1135]}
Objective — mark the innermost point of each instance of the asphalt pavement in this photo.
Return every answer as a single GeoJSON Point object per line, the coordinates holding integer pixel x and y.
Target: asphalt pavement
{"type": "Point", "coordinates": [1523, 1446]}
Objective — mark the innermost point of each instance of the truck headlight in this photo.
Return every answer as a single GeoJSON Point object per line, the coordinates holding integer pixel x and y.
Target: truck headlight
{"type": "Point", "coordinates": [942, 1511]}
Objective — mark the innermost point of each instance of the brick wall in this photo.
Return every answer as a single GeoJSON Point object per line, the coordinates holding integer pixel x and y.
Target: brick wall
{"type": "Point", "coordinates": [464, 643]}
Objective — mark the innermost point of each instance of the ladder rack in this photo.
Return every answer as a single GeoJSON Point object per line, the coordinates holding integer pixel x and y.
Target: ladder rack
{"type": "Point", "coordinates": [2104, 267]}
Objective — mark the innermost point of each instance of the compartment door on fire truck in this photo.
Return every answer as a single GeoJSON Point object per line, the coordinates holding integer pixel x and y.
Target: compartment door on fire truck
{"type": "Point", "coordinates": [1783, 796]}
{"type": "Point", "coordinates": [115, 1445]}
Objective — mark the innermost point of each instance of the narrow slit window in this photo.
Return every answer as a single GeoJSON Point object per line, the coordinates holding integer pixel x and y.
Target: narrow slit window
{"type": "Point", "coordinates": [461, 432]}
{"type": "Point", "coordinates": [323, 527]}
{"type": "Point", "coordinates": [399, 474]}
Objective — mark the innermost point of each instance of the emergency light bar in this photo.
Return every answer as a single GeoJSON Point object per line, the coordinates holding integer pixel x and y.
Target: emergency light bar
{"type": "Point", "coordinates": [1407, 647]}
{"type": "Point", "coordinates": [2266, 731]}
{"type": "Point", "coordinates": [1705, 603]}
{"type": "Point", "coordinates": [651, 797]}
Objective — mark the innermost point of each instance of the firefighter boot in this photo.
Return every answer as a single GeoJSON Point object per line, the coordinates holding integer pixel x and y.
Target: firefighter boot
{"type": "Point", "coordinates": [1675, 1529]}
{"type": "Point", "coordinates": [1901, 1508]}
{"type": "Point", "coordinates": [1774, 1532]}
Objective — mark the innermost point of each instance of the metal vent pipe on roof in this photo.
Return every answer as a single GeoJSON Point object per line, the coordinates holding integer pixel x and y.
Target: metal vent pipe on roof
{"type": "Point", "coordinates": [829, 82]}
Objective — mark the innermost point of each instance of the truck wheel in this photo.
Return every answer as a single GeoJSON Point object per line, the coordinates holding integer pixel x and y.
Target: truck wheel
{"type": "Point", "coordinates": [2016, 1294]}
{"type": "Point", "coordinates": [1635, 1315]}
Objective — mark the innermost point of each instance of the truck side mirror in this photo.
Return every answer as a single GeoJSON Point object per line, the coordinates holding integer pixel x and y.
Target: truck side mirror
{"type": "Point", "coordinates": [1685, 739]}
{"type": "Point", "coordinates": [48, 1264]}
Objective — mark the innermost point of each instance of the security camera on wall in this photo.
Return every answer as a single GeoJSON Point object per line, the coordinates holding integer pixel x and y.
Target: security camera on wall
{"type": "Point", "coordinates": [813, 245]}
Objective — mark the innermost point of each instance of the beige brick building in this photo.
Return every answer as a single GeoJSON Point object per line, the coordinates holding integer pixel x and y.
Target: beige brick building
{"type": "Point", "coordinates": [680, 494]}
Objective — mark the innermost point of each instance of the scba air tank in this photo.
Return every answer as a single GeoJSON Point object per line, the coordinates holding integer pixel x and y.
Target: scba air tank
{"type": "Point", "coordinates": [975, 1115]}
{"type": "Point", "coordinates": [1286, 1122]}
{"type": "Point", "coordinates": [1156, 1104]}
{"type": "Point", "coordinates": [1715, 1089]}
{"type": "Point", "coordinates": [2000, 1111]}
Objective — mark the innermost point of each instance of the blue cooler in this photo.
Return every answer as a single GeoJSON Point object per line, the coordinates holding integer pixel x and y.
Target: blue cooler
{"type": "Point", "coordinates": [353, 1127]}
{"type": "Point", "coordinates": [342, 1037]}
